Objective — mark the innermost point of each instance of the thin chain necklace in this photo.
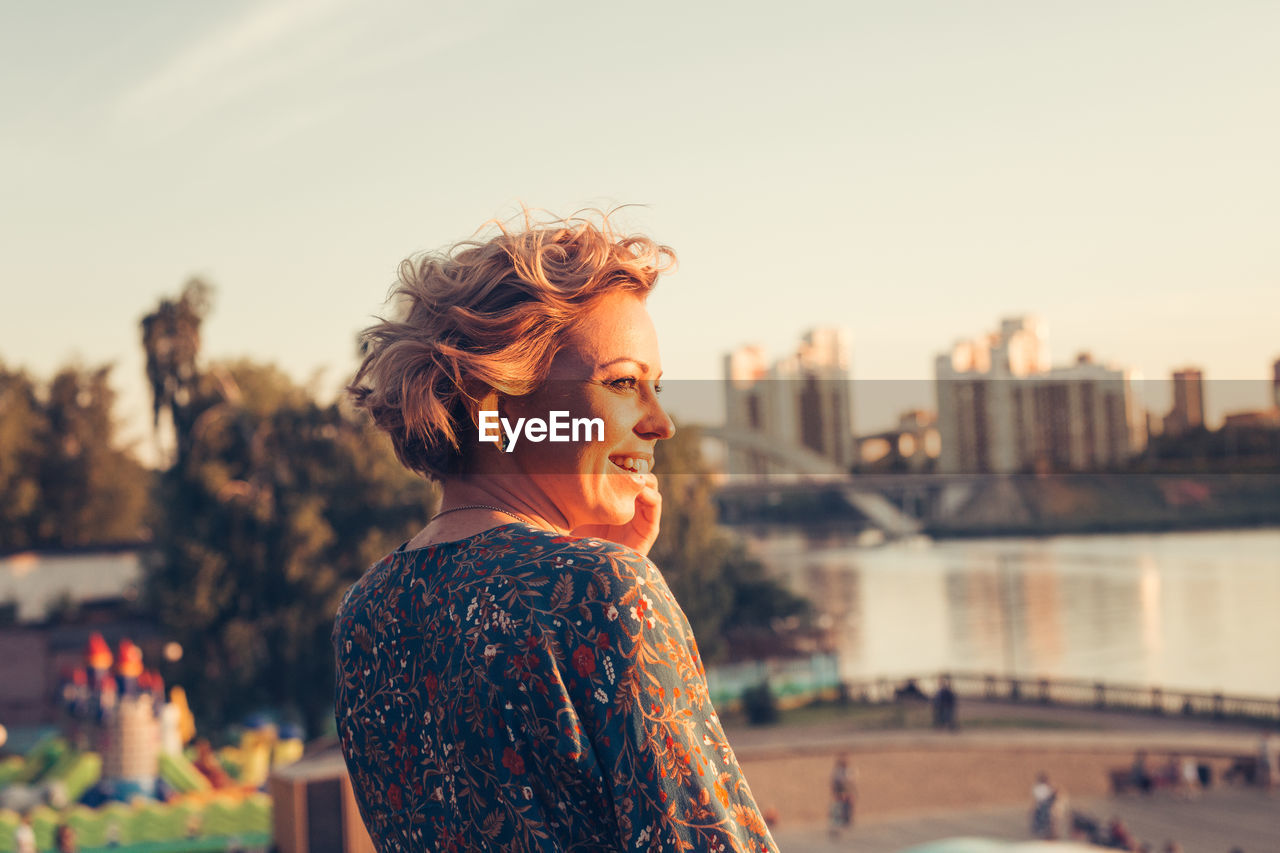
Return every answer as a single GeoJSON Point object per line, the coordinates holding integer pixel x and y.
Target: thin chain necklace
{"type": "Point", "coordinates": [499, 510]}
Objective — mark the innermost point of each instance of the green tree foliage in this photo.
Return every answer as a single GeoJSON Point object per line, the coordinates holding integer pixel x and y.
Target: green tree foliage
{"type": "Point", "coordinates": [65, 480]}
{"type": "Point", "coordinates": [171, 340]}
{"type": "Point", "coordinates": [736, 610]}
{"type": "Point", "coordinates": [275, 503]}
{"type": "Point", "coordinates": [22, 425]}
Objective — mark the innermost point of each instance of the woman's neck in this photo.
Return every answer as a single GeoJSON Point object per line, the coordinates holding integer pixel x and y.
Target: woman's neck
{"type": "Point", "coordinates": [493, 491]}
{"type": "Point", "coordinates": [471, 505]}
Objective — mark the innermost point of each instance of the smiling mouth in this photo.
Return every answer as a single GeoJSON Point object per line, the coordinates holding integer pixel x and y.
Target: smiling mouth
{"type": "Point", "coordinates": [632, 464]}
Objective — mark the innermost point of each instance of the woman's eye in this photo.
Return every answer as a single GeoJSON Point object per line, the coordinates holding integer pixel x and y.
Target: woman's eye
{"type": "Point", "coordinates": [631, 383]}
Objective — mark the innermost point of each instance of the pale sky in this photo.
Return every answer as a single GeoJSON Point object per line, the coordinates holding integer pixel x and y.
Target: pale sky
{"type": "Point", "coordinates": [911, 171]}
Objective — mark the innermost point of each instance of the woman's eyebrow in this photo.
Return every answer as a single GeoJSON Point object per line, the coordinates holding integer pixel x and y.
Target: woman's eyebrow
{"type": "Point", "coordinates": [644, 368]}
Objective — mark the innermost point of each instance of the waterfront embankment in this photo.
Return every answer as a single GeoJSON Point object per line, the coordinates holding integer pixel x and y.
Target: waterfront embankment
{"type": "Point", "coordinates": [988, 765]}
{"type": "Point", "coordinates": [1105, 503]}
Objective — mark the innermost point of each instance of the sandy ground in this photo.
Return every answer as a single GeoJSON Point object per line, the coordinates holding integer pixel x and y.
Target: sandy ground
{"type": "Point", "coordinates": [1219, 820]}
{"type": "Point", "coordinates": [901, 782]}
{"type": "Point", "coordinates": [903, 773]}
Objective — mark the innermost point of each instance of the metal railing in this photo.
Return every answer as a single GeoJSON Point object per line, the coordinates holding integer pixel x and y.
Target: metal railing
{"type": "Point", "coordinates": [1074, 693]}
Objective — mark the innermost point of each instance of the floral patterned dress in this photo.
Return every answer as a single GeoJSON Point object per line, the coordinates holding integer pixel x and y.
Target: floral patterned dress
{"type": "Point", "coordinates": [523, 690]}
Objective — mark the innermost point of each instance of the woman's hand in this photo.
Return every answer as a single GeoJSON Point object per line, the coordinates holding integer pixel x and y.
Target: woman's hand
{"type": "Point", "coordinates": [642, 531]}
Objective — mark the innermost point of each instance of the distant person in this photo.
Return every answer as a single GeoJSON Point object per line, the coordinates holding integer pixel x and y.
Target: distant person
{"type": "Point", "coordinates": [1043, 797]}
{"type": "Point", "coordinates": [1139, 776]}
{"type": "Point", "coordinates": [1085, 827]}
{"type": "Point", "coordinates": [910, 692]}
{"type": "Point", "coordinates": [1189, 785]}
{"type": "Point", "coordinates": [944, 706]}
{"type": "Point", "coordinates": [24, 837]}
{"type": "Point", "coordinates": [843, 796]}
{"type": "Point", "coordinates": [1119, 837]}
{"type": "Point", "coordinates": [1268, 762]}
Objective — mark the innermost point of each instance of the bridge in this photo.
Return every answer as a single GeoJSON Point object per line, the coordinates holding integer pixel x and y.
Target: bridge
{"type": "Point", "coordinates": [806, 473]}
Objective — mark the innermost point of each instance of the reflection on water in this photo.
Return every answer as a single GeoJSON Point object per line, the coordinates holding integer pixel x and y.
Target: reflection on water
{"type": "Point", "coordinates": [1182, 610]}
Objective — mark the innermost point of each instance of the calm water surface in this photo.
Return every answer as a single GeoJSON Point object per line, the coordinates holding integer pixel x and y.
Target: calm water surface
{"type": "Point", "coordinates": [1195, 611]}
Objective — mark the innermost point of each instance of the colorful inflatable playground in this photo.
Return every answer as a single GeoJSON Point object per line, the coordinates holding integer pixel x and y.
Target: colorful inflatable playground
{"type": "Point", "coordinates": [126, 772]}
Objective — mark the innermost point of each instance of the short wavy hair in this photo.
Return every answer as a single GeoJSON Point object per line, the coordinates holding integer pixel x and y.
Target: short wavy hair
{"type": "Point", "coordinates": [488, 315]}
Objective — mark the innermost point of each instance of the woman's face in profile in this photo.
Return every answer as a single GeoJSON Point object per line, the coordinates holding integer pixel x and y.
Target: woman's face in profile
{"type": "Point", "coordinates": [608, 367]}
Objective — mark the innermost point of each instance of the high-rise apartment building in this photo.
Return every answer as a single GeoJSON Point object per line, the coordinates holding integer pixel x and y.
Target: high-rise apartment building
{"type": "Point", "coordinates": [1275, 383]}
{"type": "Point", "coordinates": [803, 400]}
{"type": "Point", "coordinates": [1188, 402]}
{"type": "Point", "coordinates": [1003, 409]}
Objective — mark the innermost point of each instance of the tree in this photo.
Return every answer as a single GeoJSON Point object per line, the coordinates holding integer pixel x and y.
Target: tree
{"type": "Point", "coordinates": [735, 608]}
{"type": "Point", "coordinates": [274, 505]}
{"type": "Point", "coordinates": [171, 340]}
{"type": "Point", "coordinates": [22, 424]}
{"type": "Point", "coordinates": [65, 480]}
{"type": "Point", "coordinates": [93, 490]}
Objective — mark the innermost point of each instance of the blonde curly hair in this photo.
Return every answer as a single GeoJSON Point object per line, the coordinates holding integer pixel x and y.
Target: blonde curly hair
{"type": "Point", "coordinates": [488, 315]}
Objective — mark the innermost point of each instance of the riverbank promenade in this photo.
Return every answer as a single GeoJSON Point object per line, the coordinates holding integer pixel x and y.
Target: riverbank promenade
{"type": "Point", "coordinates": [915, 784]}
{"type": "Point", "coordinates": [1215, 822]}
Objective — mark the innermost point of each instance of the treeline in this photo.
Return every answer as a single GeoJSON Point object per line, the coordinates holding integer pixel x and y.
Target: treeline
{"type": "Point", "coordinates": [737, 610]}
{"type": "Point", "coordinates": [66, 480]}
{"type": "Point", "coordinates": [272, 503]}
{"type": "Point", "coordinates": [1233, 449]}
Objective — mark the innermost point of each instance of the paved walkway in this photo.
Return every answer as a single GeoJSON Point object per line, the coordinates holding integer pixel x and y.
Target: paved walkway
{"type": "Point", "coordinates": [1215, 822]}
{"type": "Point", "coordinates": [917, 785]}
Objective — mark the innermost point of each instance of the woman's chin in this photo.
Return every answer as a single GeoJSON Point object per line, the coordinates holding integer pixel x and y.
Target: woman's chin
{"type": "Point", "coordinates": [614, 513]}
{"type": "Point", "coordinates": [619, 516]}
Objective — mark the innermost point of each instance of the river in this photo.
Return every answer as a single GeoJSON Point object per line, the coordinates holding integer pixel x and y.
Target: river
{"type": "Point", "coordinates": [1182, 610]}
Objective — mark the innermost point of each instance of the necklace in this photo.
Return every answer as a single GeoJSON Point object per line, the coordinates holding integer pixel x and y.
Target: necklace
{"type": "Point", "coordinates": [499, 510]}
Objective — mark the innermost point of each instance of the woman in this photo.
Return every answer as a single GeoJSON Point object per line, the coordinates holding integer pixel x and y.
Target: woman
{"type": "Point", "coordinates": [518, 676]}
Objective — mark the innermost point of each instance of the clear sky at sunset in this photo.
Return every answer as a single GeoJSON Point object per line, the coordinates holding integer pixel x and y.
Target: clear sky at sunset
{"type": "Point", "coordinates": [912, 171]}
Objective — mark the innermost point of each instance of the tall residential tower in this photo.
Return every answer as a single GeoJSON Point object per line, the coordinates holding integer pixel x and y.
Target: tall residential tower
{"type": "Point", "coordinates": [804, 400]}
{"type": "Point", "coordinates": [1002, 409]}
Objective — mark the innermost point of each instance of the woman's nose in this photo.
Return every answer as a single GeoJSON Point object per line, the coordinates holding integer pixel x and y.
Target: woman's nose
{"type": "Point", "coordinates": [656, 424]}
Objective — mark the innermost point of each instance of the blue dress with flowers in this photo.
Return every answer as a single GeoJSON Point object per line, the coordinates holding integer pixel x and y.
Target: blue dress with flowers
{"type": "Point", "coordinates": [523, 690]}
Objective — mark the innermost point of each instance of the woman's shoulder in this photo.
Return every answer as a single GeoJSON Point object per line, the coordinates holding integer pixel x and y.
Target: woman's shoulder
{"type": "Point", "coordinates": [589, 559]}
{"type": "Point", "coordinates": [511, 551]}
{"type": "Point", "coordinates": [362, 600]}
{"type": "Point", "coordinates": [522, 545]}
{"type": "Point", "coordinates": [595, 582]}
{"type": "Point", "coordinates": [522, 570]}
{"type": "Point", "coordinates": [562, 576]}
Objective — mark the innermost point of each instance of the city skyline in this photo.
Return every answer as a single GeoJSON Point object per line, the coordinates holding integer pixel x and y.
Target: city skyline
{"type": "Point", "coordinates": [908, 173]}
{"type": "Point", "coordinates": [1160, 397]}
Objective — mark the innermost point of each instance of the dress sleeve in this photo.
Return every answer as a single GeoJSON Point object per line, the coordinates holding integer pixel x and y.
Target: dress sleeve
{"type": "Point", "coordinates": [632, 671]}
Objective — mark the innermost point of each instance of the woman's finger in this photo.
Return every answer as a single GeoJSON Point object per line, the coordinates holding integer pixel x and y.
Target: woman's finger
{"type": "Point", "coordinates": [649, 494]}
